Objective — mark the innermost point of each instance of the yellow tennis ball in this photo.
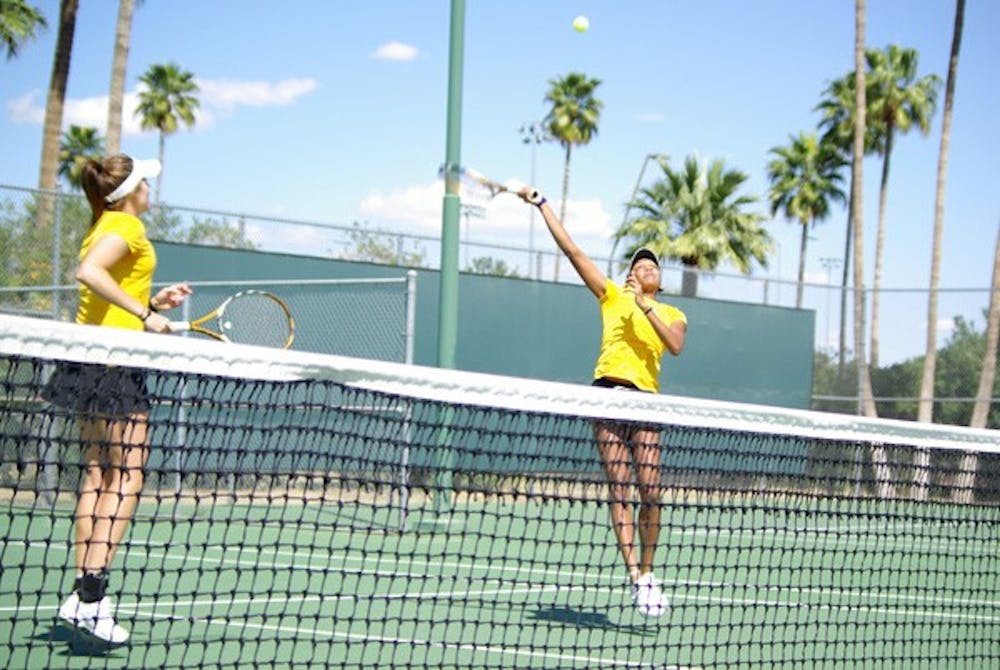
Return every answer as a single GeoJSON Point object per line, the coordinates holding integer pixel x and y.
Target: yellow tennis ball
{"type": "Point", "coordinates": [581, 23]}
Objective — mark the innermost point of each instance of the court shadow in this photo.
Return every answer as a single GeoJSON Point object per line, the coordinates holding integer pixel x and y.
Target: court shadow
{"type": "Point", "coordinates": [76, 644]}
{"type": "Point", "coordinates": [590, 620]}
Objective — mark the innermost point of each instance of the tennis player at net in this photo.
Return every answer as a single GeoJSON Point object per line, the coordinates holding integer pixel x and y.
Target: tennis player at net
{"type": "Point", "coordinates": [636, 331]}
{"type": "Point", "coordinates": [110, 403]}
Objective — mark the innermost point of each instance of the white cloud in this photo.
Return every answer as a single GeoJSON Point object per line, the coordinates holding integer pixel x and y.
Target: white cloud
{"type": "Point", "coordinates": [945, 326]}
{"type": "Point", "coordinates": [24, 109]}
{"type": "Point", "coordinates": [396, 51]}
{"type": "Point", "coordinates": [504, 219]}
{"type": "Point", "coordinates": [216, 97]}
{"type": "Point", "coordinates": [649, 117]}
{"type": "Point", "coordinates": [224, 94]}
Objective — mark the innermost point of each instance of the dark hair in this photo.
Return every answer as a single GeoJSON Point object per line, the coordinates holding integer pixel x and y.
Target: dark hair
{"type": "Point", "coordinates": [101, 178]}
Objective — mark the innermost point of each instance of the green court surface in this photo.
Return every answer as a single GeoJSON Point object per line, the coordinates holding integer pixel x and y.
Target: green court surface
{"type": "Point", "coordinates": [766, 581]}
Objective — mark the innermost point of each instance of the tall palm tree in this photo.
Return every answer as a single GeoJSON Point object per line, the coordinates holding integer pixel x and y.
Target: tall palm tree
{"type": "Point", "coordinates": [167, 100]}
{"type": "Point", "coordinates": [837, 115]}
{"type": "Point", "coordinates": [805, 176]}
{"type": "Point", "coordinates": [925, 406]}
{"type": "Point", "coordinates": [57, 95]}
{"type": "Point", "coordinates": [119, 64]}
{"type": "Point", "coordinates": [880, 460]}
{"type": "Point", "coordinates": [78, 145]}
{"type": "Point", "coordinates": [19, 23]}
{"type": "Point", "coordinates": [962, 492]}
{"type": "Point", "coordinates": [698, 216]}
{"type": "Point", "coordinates": [899, 101]}
{"type": "Point", "coordinates": [572, 120]}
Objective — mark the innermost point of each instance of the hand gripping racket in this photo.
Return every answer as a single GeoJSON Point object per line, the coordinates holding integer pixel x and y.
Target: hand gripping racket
{"type": "Point", "coordinates": [479, 185]}
{"type": "Point", "coordinates": [247, 317]}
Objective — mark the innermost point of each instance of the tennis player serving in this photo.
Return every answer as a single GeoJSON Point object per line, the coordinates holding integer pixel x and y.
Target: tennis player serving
{"type": "Point", "coordinates": [110, 403]}
{"type": "Point", "coordinates": [636, 331]}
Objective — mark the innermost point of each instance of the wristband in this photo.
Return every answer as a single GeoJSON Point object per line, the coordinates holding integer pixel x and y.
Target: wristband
{"type": "Point", "coordinates": [145, 315]}
{"type": "Point", "coordinates": [152, 307]}
{"type": "Point", "coordinates": [647, 310]}
{"type": "Point", "coordinates": [541, 202]}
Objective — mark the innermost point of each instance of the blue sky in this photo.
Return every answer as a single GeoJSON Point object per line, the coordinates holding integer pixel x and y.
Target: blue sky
{"type": "Point", "coordinates": [335, 112]}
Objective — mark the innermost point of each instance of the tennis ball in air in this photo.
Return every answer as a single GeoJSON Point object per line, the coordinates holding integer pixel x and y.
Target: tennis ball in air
{"type": "Point", "coordinates": [580, 24]}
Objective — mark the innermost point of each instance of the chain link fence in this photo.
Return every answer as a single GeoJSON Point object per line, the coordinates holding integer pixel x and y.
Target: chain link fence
{"type": "Point", "coordinates": [40, 234]}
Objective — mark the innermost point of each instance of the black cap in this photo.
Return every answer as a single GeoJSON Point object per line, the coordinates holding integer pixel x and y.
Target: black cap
{"type": "Point", "coordinates": [643, 252]}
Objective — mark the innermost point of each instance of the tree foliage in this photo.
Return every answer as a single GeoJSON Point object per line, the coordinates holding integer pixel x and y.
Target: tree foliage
{"type": "Point", "coordinates": [487, 265]}
{"type": "Point", "coordinates": [19, 22]}
{"type": "Point", "coordinates": [376, 246]}
{"type": "Point", "coordinates": [79, 144]}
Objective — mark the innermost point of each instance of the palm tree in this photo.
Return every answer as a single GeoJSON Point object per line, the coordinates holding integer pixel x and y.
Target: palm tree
{"type": "Point", "coordinates": [119, 63]}
{"type": "Point", "coordinates": [19, 22]}
{"type": "Point", "coordinates": [925, 406]}
{"type": "Point", "coordinates": [78, 145]}
{"type": "Point", "coordinates": [805, 177]}
{"type": "Point", "coordinates": [898, 101]}
{"type": "Point", "coordinates": [966, 480]}
{"type": "Point", "coordinates": [698, 217]}
{"type": "Point", "coordinates": [167, 100]}
{"type": "Point", "coordinates": [837, 111]}
{"type": "Point", "coordinates": [880, 460]}
{"type": "Point", "coordinates": [48, 171]}
{"type": "Point", "coordinates": [571, 121]}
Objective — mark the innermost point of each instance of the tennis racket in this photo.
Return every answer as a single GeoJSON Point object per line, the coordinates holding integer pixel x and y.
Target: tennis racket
{"type": "Point", "coordinates": [480, 186]}
{"type": "Point", "coordinates": [247, 317]}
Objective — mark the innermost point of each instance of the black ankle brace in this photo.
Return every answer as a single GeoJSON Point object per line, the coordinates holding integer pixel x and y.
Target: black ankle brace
{"type": "Point", "coordinates": [93, 586]}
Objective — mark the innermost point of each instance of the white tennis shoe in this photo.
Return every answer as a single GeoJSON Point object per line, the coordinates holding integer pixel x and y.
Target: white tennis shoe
{"type": "Point", "coordinates": [93, 620]}
{"type": "Point", "coordinates": [648, 596]}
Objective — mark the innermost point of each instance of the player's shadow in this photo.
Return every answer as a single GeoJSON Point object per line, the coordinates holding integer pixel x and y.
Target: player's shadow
{"type": "Point", "coordinates": [76, 645]}
{"type": "Point", "coordinates": [589, 620]}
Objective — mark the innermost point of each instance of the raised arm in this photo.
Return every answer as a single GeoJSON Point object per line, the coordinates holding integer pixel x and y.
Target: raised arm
{"type": "Point", "coordinates": [591, 275]}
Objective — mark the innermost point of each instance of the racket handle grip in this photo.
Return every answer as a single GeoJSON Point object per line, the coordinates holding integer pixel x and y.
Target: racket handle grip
{"type": "Point", "coordinates": [180, 326]}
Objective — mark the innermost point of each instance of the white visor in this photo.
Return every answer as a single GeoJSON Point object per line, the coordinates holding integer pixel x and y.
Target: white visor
{"type": "Point", "coordinates": [143, 169]}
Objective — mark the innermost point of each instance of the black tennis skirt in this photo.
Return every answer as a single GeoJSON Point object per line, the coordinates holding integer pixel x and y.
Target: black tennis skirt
{"type": "Point", "coordinates": [98, 391]}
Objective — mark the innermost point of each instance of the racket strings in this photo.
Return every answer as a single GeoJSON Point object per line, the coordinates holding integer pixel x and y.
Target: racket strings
{"type": "Point", "coordinates": [256, 318]}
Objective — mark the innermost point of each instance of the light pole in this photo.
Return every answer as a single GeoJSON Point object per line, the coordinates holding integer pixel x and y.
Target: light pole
{"type": "Point", "coordinates": [661, 159]}
{"type": "Point", "coordinates": [533, 133]}
{"type": "Point", "coordinates": [829, 264]}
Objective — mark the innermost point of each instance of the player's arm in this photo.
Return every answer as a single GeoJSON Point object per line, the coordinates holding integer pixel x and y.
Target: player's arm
{"type": "Point", "coordinates": [672, 334]}
{"type": "Point", "coordinates": [94, 271]}
{"type": "Point", "coordinates": [591, 275]}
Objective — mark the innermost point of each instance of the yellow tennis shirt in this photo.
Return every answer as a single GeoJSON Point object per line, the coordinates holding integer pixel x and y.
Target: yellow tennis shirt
{"type": "Point", "coordinates": [133, 272]}
{"type": "Point", "coordinates": [630, 348]}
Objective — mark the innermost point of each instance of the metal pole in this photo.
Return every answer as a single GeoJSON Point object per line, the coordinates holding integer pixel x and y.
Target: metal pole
{"type": "Point", "coordinates": [448, 295]}
{"type": "Point", "coordinates": [448, 314]}
{"type": "Point", "coordinates": [56, 256]}
{"type": "Point", "coordinates": [660, 158]}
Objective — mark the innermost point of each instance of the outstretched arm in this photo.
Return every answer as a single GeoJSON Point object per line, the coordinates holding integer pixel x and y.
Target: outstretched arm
{"type": "Point", "coordinates": [591, 275]}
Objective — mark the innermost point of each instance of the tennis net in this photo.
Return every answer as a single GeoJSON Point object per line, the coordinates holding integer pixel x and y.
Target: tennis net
{"type": "Point", "coordinates": [304, 510]}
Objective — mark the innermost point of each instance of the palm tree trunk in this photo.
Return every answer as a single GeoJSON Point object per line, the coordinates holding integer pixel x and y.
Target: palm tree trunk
{"type": "Point", "coordinates": [159, 179]}
{"type": "Point", "coordinates": [802, 265]}
{"type": "Point", "coordinates": [689, 280]}
{"type": "Point", "coordinates": [119, 64]}
{"type": "Point", "coordinates": [926, 399]}
{"type": "Point", "coordinates": [57, 95]}
{"type": "Point", "coordinates": [562, 207]}
{"type": "Point", "coordinates": [880, 461]}
{"type": "Point", "coordinates": [925, 404]}
{"type": "Point", "coordinates": [966, 481]}
{"type": "Point", "coordinates": [879, 249]}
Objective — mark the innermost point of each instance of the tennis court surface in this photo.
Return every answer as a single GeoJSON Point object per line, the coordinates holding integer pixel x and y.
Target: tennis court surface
{"type": "Point", "coordinates": [306, 511]}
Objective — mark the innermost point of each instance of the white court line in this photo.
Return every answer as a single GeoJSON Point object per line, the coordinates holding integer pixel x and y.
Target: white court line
{"type": "Point", "coordinates": [589, 577]}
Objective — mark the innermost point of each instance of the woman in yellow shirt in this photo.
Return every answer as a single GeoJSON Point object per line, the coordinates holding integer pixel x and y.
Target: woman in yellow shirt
{"type": "Point", "coordinates": [636, 332]}
{"type": "Point", "coordinates": [111, 403]}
